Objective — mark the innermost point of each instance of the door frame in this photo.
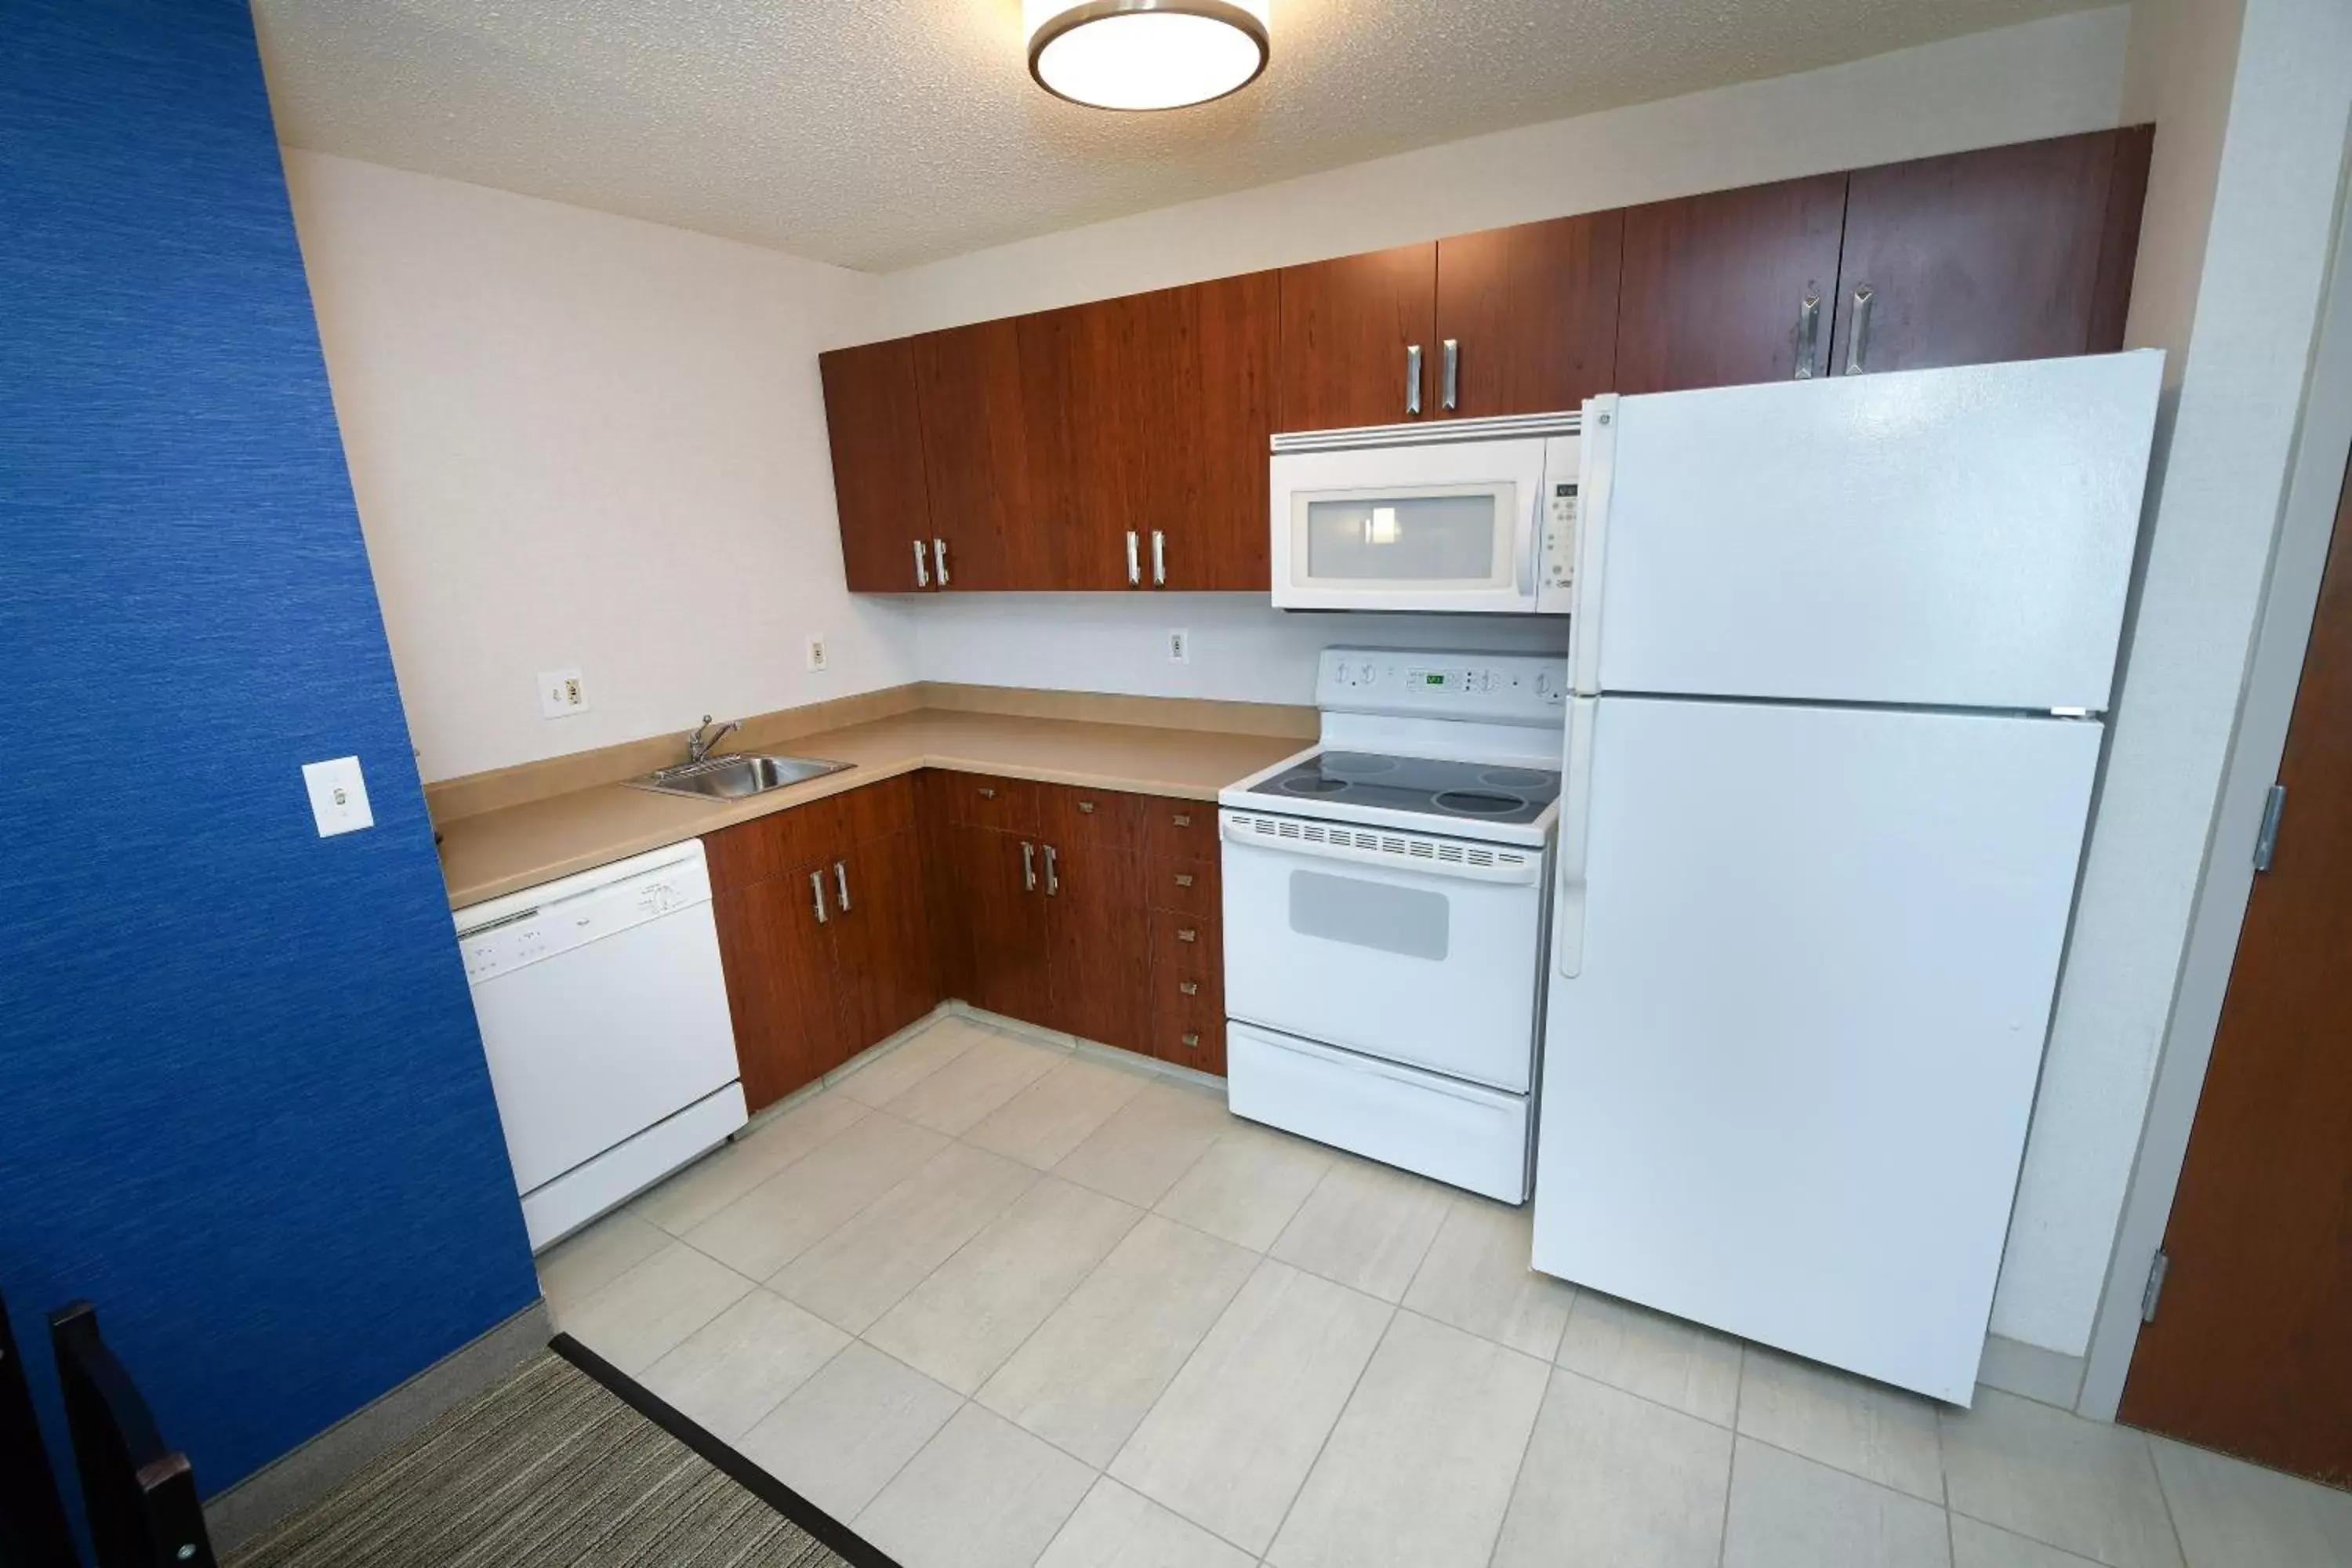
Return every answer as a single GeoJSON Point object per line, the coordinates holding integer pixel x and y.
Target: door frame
{"type": "Point", "coordinates": [2315, 481]}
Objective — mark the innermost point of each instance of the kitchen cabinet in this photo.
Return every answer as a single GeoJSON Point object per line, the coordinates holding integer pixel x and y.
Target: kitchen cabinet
{"type": "Point", "coordinates": [2016, 252]}
{"type": "Point", "coordinates": [975, 460]}
{"type": "Point", "coordinates": [1207, 443]}
{"type": "Point", "coordinates": [875, 431]}
{"type": "Point", "coordinates": [1527, 317]}
{"type": "Point", "coordinates": [1098, 962]}
{"type": "Point", "coordinates": [1357, 332]}
{"type": "Point", "coordinates": [1729, 286]}
{"type": "Point", "coordinates": [1088, 376]}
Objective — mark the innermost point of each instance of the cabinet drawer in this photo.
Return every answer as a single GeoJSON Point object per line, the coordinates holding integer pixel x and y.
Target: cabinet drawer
{"type": "Point", "coordinates": [983, 800]}
{"type": "Point", "coordinates": [1186, 944]}
{"type": "Point", "coordinates": [1180, 829]}
{"type": "Point", "coordinates": [1186, 886]}
{"type": "Point", "coordinates": [1077, 819]}
{"type": "Point", "coordinates": [1189, 1030]}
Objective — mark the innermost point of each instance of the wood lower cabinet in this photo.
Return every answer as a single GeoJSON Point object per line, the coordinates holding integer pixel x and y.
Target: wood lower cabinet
{"type": "Point", "coordinates": [998, 918]}
{"type": "Point", "coordinates": [1098, 962]}
{"type": "Point", "coordinates": [781, 986]}
{"type": "Point", "coordinates": [884, 965]}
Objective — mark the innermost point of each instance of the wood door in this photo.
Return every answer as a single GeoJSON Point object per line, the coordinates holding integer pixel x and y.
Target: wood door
{"type": "Point", "coordinates": [942, 894]}
{"type": "Point", "coordinates": [1345, 326]}
{"type": "Point", "coordinates": [1714, 287]}
{"type": "Point", "coordinates": [883, 941]}
{"type": "Point", "coordinates": [872, 424]}
{"type": "Point", "coordinates": [1207, 468]}
{"type": "Point", "coordinates": [975, 457]}
{"type": "Point", "coordinates": [1532, 312]}
{"type": "Point", "coordinates": [1088, 376]}
{"type": "Point", "coordinates": [2251, 1349]}
{"type": "Point", "coordinates": [778, 959]}
{"type": "Point", "coordinates": [1099, 940]}
{"type": "Point", "coordinates": [1001, 901]}
{"type": "Point", "coordinates": [2001, 254]}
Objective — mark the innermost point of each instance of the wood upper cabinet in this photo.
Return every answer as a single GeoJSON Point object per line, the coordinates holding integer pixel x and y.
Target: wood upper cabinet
{"type": "Point", "coordinates": [874, 427]}
{"type": "Point", "coordinates": [1527, 317]}
{"type": "Point", "coordinates": [1089, 377]}
{"type": "Point", "coordinates": [1731, 287]}
{"type": "Point", "coordinates": [1349, 327]}
{"type": "Point", "coordinates": [2016, 252]}
{"type": "Point", "coordinates": [975, 457]}
{"type": "Point", "coordinates": [1206, 434]}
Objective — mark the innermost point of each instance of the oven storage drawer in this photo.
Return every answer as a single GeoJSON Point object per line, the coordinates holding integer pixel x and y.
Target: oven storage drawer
{"type": "Point", "coordinates": [1454, 1133]}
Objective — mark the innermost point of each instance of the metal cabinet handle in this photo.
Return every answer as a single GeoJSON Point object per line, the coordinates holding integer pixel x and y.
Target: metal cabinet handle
{"type": "Point", "coordinates": [1449, 396]}
{"type": "Point", "coordinates": [1808, 333]}
{"type": "Point", "coordinates": [1190, 987]}
{"type": "Point", "coordinates": [1183, 879]}
{"type": "Point", "coordinates": [1187, 933]}
{"type": "Point", "coordinates": [817, 894]}
{"type": "Point", "coordinates": [1134, 565]}
{"type": "Point", "coordinates": [1181, 818]}
{"type": "Point", "coordinates": [1192, 1041]}
{"type": "Point", "coordinates": [987, 792]}
{"type": "Point", "coordinates": [1028, 867]}
{"type": "Point", "coordinates": [1412, 378]}
{"type": "Point", "coordinates": [1053, 881]}
{"type": "Point", "coordinates": [1159, 559]}
{"type": "Point", "coordinates": [940, 559]}
{"type": "Point", "coordinates": [922, 566]}
{"type": "Point", "coordinates": [841, 882]}
{"type": "Point", "coordinates": [1086, 806]}
{"type": "Point", "coordinates": [1858, 337]}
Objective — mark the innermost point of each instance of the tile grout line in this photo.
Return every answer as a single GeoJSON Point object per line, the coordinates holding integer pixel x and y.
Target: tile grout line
{"type": "Point", "coordinates": [2164, 1494]}
{"type": "Point", "coordinates": [1519, 1475]}
{"type": "Point", "coordinates": [1341, 1414]}
{"type": "Point", "coordinates": [1738, 1395]}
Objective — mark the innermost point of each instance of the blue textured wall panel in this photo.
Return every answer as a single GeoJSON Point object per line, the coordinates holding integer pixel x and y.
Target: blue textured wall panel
{"type": "Point", "coordinates": [243, 1104]}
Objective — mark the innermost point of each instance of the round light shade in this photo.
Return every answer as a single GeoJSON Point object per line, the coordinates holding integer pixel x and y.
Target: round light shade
{"type": "Point", "coordinates": [1145, 53]}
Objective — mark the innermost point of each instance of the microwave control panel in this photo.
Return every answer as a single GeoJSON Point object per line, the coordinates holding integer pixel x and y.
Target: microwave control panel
{"type": "Point", "coordinates": [1556, 548]}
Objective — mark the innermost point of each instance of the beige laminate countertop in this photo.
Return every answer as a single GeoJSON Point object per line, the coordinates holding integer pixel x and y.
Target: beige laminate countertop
{"type": "Point", "coordinates": [517, 846]}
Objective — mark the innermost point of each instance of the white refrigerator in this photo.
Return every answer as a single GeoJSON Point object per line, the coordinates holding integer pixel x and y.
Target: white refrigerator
{"type": "Point", "coordinates": [1842, 651]}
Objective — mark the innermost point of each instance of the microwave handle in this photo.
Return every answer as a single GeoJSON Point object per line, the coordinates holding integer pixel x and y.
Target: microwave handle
{"type": "Point", "coordinates": [1530, 541]}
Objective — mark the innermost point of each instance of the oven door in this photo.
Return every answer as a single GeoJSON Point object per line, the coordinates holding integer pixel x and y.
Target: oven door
{"type": "Point", "coordinates": [1409, 947]}
{"type": "Point", "coordinates": [1444, 526]}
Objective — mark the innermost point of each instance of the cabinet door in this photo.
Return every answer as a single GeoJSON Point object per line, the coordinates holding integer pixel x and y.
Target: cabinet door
{"type": "Point", "coordinates": [883, 937]}
{"type": "Point", "coordinates": [1208, 466]}
{"type": "Point", "coordinates": [1097, 926]}
{"type": "Point", "coordinates": [778, 959]}
{"type": "Point", "coordinates": [975, 460]}
{"type": "Point", "coordinates": [1000, 902]}
{"type": "Point", "coordinates": [1088, 374]}
{"type": "Point", "coordinates": [877, 435]}
{"type": "Point", "coordinates": [1347, 327]}
{"type": "Point", "coordinates": [1531, 311]}
{"type": "Point", "coordinates": [1985, 256]}
{"type": "Point", "coordinates": [1714, 287]}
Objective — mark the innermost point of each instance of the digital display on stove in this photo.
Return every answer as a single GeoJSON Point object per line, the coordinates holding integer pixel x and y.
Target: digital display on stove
{"type": "Point", "coordinates": [1433, 678]}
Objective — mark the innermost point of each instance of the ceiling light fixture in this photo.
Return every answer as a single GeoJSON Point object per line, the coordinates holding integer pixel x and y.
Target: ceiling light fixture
{"type": "Point", "coordinates": [1145, 53]}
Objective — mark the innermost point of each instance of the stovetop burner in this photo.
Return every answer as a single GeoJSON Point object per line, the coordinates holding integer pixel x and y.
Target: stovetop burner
{"type": "Point", "coordinates": [1430, 786]}
{"type": "Point", "coordinates": [1313, 783]}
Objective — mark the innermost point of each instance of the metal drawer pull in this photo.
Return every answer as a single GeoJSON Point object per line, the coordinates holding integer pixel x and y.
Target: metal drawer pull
{"type": "Point", "coordinates": [987, 792]}
{"type": "Point", "coordinates": [817, 894]}
{"type": "Point", "coordinates": [1190, 987]}
{"type": "Point", "coordinates": [1159, 559]}
{"type": "Point", "coordinates": [1809, 335]}
{"type": "Point", "coordinates": [1182, 819]}
{"type": "Point", "coordinates": [1183, 879]}
{"type": "Point", "coordinates": [1134, 565]}
{"type": "Point", "coordinates": [1186, 934]}
{"type": "Point", "coordinates": [1413, 379]}
{"type": "Point", "coordinates": [1028, 867]}
{"type": "Point", "coordinates": [940, 559]}
{"type": "Point", "coordinates": [1858, 346]}
{"type": "Point", "coordinates": [1088, 806]}
{"type": "Point", "coordinates": [922, 566]}
{"type": "Point", "coordinates": [841, 880]}
{"type": "Point", "coordinates": [1192, 1041]}
{"type": "Point", "coordinates": [1450, 377]}
{"type": "Point", "coordinates": [1053, 880]}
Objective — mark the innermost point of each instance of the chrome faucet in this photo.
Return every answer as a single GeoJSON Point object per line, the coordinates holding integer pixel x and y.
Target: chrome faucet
{"type": "Point", "coordinates": [698, 748]}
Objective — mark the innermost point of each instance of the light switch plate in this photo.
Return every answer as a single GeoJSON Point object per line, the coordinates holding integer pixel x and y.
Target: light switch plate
{"type": "Point", "coordinates": [562, 693]}
{"type": "Point", "coordinates": [1179, 645]}
{"type": "Point", "coordinates": [337, 796]}
{"type": "Point", "coordinates": [816, 660]}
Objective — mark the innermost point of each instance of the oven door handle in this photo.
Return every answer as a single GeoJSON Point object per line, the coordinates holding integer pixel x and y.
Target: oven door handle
{"type": "Point", "coordinates": [1575, 823]}
{"type": "Point", "coordinates": [1386, 849]}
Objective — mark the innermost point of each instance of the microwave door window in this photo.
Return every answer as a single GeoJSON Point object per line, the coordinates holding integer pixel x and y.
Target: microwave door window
{"type": "Point", "coordinates": [1404, 539]}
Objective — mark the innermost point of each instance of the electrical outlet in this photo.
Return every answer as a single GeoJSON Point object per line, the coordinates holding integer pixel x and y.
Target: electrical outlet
{"type": "Point", "coordinates": [562, 693]}
{"type": "Point", "coordinates": [816, 654]}
{"type": "Point", "coordinates": [1179, 645]}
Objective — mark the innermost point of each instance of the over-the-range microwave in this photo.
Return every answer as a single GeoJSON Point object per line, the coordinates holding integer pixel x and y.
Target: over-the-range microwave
{"type": "Point", "coordinates": [1471, 515]}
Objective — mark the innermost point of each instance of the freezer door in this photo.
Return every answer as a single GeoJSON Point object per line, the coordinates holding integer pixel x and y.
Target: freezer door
{"type": "Point", "coordinates": [1959, 537]}
{"type": "Point", "coordinates": [1785, 1089]}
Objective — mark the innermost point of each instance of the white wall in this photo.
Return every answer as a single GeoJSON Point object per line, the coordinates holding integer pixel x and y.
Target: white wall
{"type": "Point", "coordinates": [583, 441]}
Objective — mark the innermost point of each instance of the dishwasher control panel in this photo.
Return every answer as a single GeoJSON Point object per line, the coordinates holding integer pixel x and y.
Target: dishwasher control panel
{"type": "Point", "coordinates": [524, 929]}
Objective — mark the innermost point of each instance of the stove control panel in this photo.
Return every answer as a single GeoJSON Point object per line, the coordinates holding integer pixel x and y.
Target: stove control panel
{"type": "Point", "coordinates": [1484, 688]}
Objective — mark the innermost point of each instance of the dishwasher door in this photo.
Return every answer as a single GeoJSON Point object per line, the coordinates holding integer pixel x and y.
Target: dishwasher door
{"type": "Point", "coordinates": [603, 1008]}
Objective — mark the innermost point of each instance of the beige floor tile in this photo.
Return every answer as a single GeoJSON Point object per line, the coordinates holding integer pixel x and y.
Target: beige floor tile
{"type": "Point", "coordinates": [743, 1364]}
{"type": "Point", "coordinates": [1116, 1528]}
{"type": "Point", "coordinates": [1084, 1379]}
{"type": "Point", "coordinates": [726, 1173]}
{"type": "Point", "coordinates": [1789, 1512]}
{"type": "Point", "coordinates": [912, 1059]}
{"type": "Point", "coordinates": [982, 1494]}
{"type": "Point", "coordinates": [2230, 1513]}
{"type": "Point", "coordinates": [647, 1312]}
{"type": "Point", "coordinates": [1613, 1479]}
{"type": "Point", "coordinates": [1247, 1186]}
{"type": "Point", "coordinates": [1137, 1155]}
{"type": "Point", "coordinates": [589, 1259]}
{"type": "Point", "coordinates": [1044, 1122]}
{"type": "Point", "coordinates": [1477, 1277]}
{"type": "Point", "coordinates": [842, 1434]}
{"type": "Point", "coordinates": [793, 1210]}
{"type": "Point", "coordinates": [960, 1323]}
{"type": "Point", "coordinates": [1864, 1428]}
{"type": "Point", "coordinates": [964, 1091]}
{"type": "Point", "coordinates": [860, 1271]}
{"type": "Point", "coordinates": [1420, 1468]}
{"type": "Point", "coordinates": [1366, 1226]}
{"type": "Point", "coordinates": [1693, 1369]}
{"type": "Point", "coordinates": [1230, 1441]}
{"type": "Point", "coordinates": [2085, 1487]}
{"type": "Point", "coordinates": [1976, 1544]}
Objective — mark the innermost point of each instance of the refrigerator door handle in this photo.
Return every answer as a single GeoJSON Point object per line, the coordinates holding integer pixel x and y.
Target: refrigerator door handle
{"type": "Point", "coordinates": [1597, 457]}
{"type": "Point", "coordinates": [1575, 820]}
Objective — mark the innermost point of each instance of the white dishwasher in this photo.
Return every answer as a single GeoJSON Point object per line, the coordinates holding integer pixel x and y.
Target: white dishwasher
{"type": "Point", "coordinates": [603, 1013]}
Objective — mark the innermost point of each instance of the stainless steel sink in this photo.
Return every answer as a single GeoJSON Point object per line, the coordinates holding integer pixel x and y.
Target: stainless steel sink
{"type": "Point", "coordinates": [735, 776]}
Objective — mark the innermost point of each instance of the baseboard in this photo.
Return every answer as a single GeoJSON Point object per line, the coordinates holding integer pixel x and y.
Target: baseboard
{"type": "Point", "coordinates": [1110, 1055]}
{"type": "Point", "coordinates": [2049, 1377]}
{"type": "Point", "coordinates": [294, 1481]}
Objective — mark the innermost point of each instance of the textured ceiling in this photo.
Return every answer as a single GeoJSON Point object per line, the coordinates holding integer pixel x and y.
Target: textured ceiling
{"type": "Point", "coordinates": [882, 133]}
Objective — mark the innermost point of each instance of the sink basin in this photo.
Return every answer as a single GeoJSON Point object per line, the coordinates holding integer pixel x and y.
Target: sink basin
{"type": "Point", "coordinates": [734, 777]}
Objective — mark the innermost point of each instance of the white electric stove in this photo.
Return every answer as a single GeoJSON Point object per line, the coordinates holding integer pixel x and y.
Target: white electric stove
{"type": "Point", "coordinates": [1386, 902]}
